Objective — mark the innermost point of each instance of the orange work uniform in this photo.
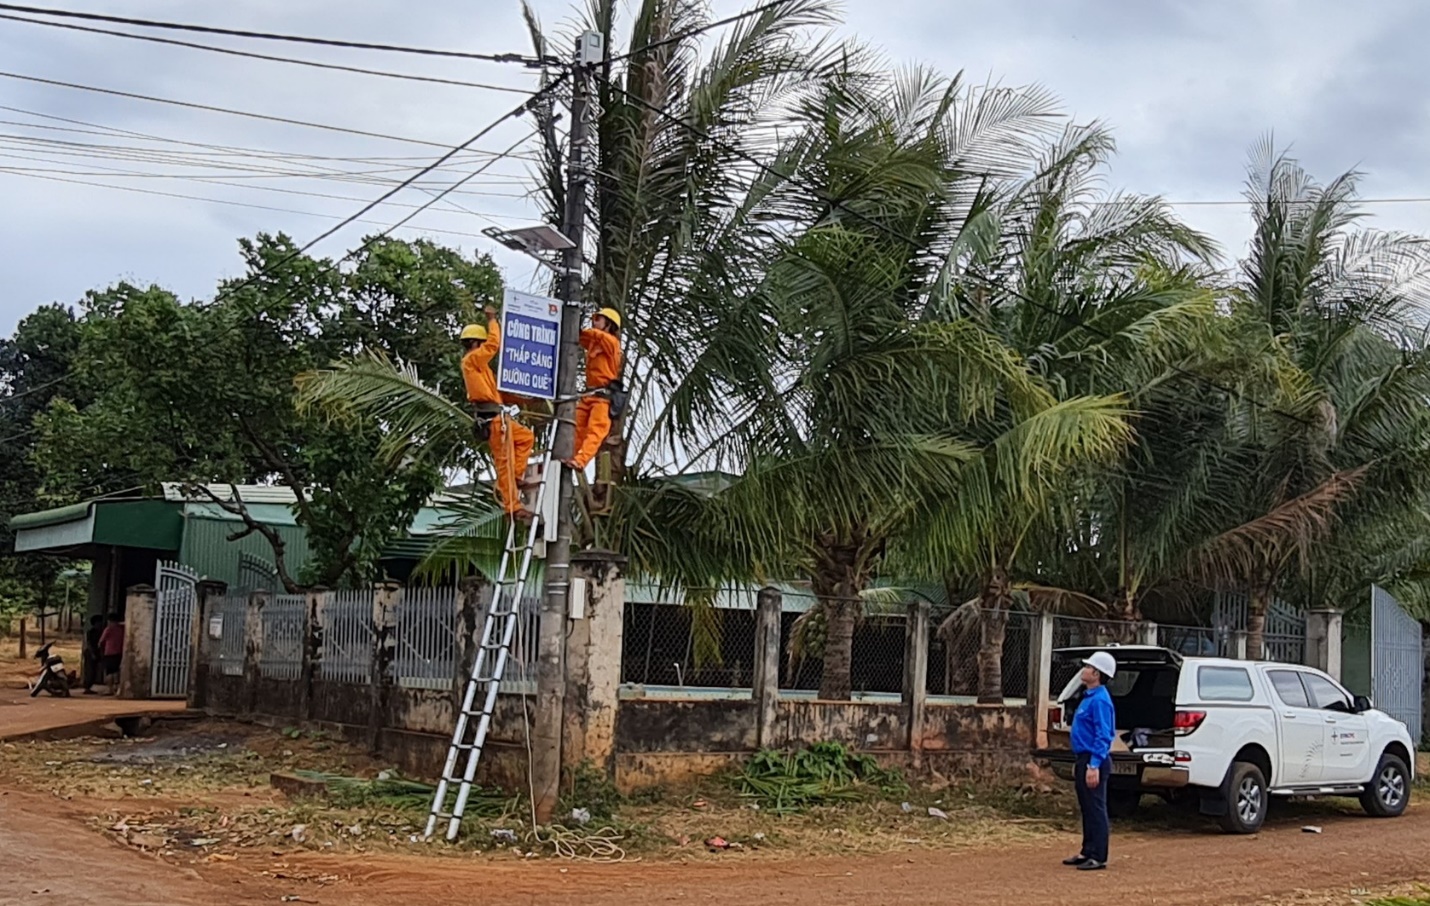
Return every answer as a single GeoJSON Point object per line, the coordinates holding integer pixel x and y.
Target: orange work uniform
{"type": "Point", "coordinates": [510, 441]}
{"type": "Point", "coordinates": [593, 413]}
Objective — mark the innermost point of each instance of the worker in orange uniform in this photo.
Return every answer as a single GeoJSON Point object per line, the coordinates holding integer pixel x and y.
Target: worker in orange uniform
{"type": "Point", "coordinates": [602, 343]}
{"type": "Point", "coordinates": [510, 441]}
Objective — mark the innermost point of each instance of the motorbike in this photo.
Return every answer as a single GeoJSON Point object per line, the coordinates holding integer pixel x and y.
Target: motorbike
{"type": "Point", "coordinates": [53, 678]}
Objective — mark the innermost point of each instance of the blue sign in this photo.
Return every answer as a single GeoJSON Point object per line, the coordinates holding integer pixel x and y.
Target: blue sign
{"type": "Point", "coordinates": [530, 338]}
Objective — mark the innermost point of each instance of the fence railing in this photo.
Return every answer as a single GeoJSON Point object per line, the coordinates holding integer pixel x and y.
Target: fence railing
{"type": "Point", "coordinates": [285, 631]}
{"type": "Point", "coordinates": [229, 621]}
{"type": "Point", "coordinates": [426, 636]}
{"type": "Point", "coordinates": [668, 647]}
{"type": "Point", "coordinates": [347, 637]}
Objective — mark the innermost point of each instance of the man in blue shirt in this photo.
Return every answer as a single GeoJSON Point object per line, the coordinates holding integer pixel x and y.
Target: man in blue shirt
{"type": "Point", "coordinates": [1093, 727]}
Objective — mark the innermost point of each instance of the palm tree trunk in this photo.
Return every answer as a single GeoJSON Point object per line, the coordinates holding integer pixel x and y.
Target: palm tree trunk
{"type": "Point", "coordinates": [836, 680]}
{"type": "Point", "coordinates": [994, 604]}
{"type": "Point", "coordinates": [1257, 606]}
{"type": "Point", "coordinates": [839, 576]}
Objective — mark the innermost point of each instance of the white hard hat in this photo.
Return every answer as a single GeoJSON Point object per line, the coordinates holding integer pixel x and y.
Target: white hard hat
{"type": "Point", "coordinates": [1103, 663]}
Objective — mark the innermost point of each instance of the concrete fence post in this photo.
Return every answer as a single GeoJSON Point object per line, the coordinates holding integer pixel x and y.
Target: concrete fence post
{"type": "Point", "coordinates": [253, 648]}
{"type": "Point", "coordinates": [386, 597]}
{"type": "Point", "coordinates": [201, 643]}
{"type": "Point", "coordinates": [595, 617]}
{"type": "Point", "coordinates": [765, 683]}
{"type": "Point", "coordinates": [1323, 641]}
{"type": "Point", "coordinates": [313, 613]}
{"type": "Point", "coordinates": [1147, 633]}
{"type": "Point", "coordinates": [136, 665]}
{"type": "Point", "coordinates": [916, 675]}
{"type": "Point", "coordinates": [474, 596]}
{"type": "Point", "coordinates": [1238, 644]}
{"type": "Point", "coordinates": [1040, 675]}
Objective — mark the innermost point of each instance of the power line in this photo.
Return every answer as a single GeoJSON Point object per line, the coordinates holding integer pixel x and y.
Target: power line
{"type": "Point", "coordinates": [836, 203]}
{"type": "Point", "coordinates": [515, 112]}
{"type": "Point", "coordinates": [225, 110]}
{"type": "Point", "coordinates": [494, 218]}
{"type": "Point", "coordinates": [113, 131]}
{"type": "Point", "coordinates": [272, 36]}
{"type": "Point", "coordinates": [268, 57]}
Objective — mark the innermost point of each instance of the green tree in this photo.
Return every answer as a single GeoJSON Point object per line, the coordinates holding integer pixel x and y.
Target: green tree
{"type": "Point", "coordinates": [204, 393]}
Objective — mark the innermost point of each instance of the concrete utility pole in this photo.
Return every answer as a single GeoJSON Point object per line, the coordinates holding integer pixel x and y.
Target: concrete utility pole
{"type": "Point", "coordinates": [551, 637]}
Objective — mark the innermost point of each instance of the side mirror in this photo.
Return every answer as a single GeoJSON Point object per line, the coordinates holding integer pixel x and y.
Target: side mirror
{"type": "Point", "coordinates": [1363, 704]}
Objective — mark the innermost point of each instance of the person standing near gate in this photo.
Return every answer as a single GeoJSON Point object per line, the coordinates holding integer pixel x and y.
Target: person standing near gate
{"type": "Point", "coordinates": [91, 660]}
{"type": "Point", "coordinates": [111, 651]}
{"type": "Point", "coordinates": [1093, 727]}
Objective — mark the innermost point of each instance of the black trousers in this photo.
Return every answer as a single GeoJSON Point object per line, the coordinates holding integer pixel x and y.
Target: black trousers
{"type": "Point", "coordinates": [1093, 805]}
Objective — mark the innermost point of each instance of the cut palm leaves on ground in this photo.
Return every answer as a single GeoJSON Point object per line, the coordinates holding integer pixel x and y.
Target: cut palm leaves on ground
{"type": "Point", "coordinates": [822, 774]}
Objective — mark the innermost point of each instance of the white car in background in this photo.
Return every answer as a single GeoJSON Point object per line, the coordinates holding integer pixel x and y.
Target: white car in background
{"type": "Point", "coordinates": [1232, 733]}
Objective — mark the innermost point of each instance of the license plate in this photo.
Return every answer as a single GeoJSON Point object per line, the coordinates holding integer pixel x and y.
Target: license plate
{"type": "Point", "coordinates": [1124, 768]}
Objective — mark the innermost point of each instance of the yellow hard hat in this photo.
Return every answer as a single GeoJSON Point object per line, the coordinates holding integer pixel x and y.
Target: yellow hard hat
{"type": "Point", "coordinates": [474, 332]}
{"type": "Point", "coordinates": [610, 314]}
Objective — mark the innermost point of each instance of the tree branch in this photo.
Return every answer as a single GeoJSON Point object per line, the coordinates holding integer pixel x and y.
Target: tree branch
{"type": "Point", "coordinates": [238, 508]}
{"type": "Point", "coordinates": [280, 465]}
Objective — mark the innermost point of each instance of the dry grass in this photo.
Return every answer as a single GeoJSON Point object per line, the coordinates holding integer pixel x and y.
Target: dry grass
{"type": "Point", "coordinates": [199, 791]}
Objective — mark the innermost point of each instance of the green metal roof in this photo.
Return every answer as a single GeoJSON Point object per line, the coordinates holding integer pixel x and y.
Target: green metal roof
{"type": "Point", "coordinates": [151, 524]}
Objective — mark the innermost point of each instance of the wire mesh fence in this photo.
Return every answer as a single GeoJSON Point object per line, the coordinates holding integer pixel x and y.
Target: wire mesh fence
{"type": "Point", "coordinates": [347, 637]}
{"type": "Point", "coordinates": [971, 649]}
{"type": "Point", "coordinates": [426, 638]}
{"type": "Point", "coordinates": [1195, 641]}
{"type": "Point", "coordinates": [285, 631]}
{"type": "Point", "coordinates": [668, 644]}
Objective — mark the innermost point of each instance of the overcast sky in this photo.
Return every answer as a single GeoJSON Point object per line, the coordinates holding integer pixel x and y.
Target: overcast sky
{"type": "Point", "coordinates": [1187, 88]}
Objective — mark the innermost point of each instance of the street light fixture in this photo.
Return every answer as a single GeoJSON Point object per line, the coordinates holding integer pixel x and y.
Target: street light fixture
{"type": "Point", "coordinates": [535, 241]}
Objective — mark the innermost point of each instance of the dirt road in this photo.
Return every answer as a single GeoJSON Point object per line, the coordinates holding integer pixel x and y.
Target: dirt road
{"type": "Point", "coordinates": [21, 715]}
{"type": "Point", "coordinates": [41, 842]}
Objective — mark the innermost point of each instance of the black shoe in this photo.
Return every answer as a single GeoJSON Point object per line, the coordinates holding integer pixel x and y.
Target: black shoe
{"type": "Point", "coordinates": [1076, 860]}
{"type": "Point", "coordinates": [1092, 865]}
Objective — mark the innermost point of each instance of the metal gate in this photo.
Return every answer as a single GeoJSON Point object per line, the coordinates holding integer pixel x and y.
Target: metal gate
{"type": "Point", "coordinates": [1284, 636]}
{"type": "Point", "coordinates": [176, 601]}
{"type": "Point", "coordinates": [1397, 660]}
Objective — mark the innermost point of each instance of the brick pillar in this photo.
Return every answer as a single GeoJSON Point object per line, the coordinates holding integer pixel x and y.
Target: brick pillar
{"type": "Point", "coordinates": [201, 643]}
{"type": "Point", "coordinates": [766, 691]}
{"type": "Point", "coordinates": [1147, 633]}
{"type": "Point", "coordinates": [595, 623]}
{"type": "Point", "coordinates": [916, 674]}
{"type": "Point", "coordinates": [135, 669]}
{"type": "Point", "coordinates": [1323, 641]}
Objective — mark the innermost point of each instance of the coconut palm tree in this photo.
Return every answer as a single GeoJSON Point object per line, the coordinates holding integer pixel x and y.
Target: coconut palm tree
{"type": "Point", "coordinates": [1341, 433]}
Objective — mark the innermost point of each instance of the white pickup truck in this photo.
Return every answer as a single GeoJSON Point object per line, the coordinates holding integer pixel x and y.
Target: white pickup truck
{"type": "Point", "coordinates": [1229, 734]}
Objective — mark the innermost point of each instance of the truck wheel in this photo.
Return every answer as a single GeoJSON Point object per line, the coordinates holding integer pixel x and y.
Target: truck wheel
{"type": "Point", "coordinates": [1246, 800]}
{"type": "Point", "coordinates": [1123, 803]}
{"type": "Point", "coordinates": [1388, 792]}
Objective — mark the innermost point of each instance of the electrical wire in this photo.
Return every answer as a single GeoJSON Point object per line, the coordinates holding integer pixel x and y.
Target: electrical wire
{"type": "Point", "coordinates": [224, 110]}
{"type": "Point", "coordinates": [493, 218]}
{"type": "Point", "coordinates": [268, 57]}
{"type": "Point", "coordinates": [272, 36]}
{"type": "Point", "coordinates": [114, 131]}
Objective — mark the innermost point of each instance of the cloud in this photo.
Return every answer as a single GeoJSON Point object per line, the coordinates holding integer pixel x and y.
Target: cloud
{"type": "Point", "coordinates": [1186, 87]}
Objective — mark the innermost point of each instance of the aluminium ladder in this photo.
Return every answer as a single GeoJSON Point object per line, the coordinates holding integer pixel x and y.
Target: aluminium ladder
{"type": "Point", "coordinates": [499, 626]}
